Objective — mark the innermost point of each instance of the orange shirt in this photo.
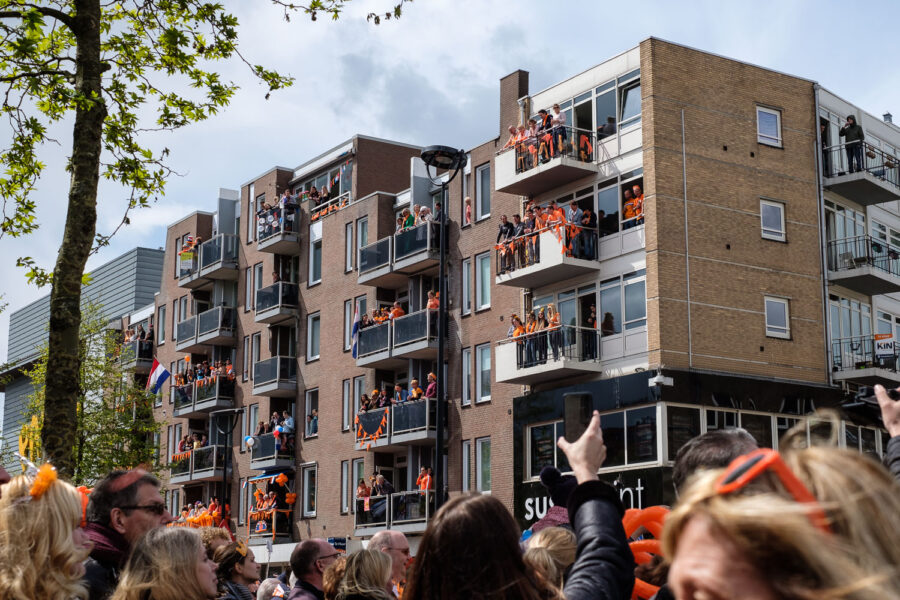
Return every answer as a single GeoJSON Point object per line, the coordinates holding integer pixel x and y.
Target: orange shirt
{"type": "Point", "coordinates": [554, 321]}
{"type": "Point", "coordinates": [424, 482]}
{"type": "Point", "coordinates": [519, 330]}
{"type": "Point", "coordinates": [433, 303]}
{"type": "Point", "coordinates": [397, 312]}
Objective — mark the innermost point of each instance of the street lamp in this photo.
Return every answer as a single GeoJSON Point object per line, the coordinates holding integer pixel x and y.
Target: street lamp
{"type": "Point", "coordinates": [229, 413]}
{"type": "Point", "coordinates": [448, 159]}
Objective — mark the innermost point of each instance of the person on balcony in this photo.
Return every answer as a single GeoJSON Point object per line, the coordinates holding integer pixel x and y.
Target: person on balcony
{"type": "Point", "coordinates": [608, 325]}
{"type": "Point", "coordinates": [397, 311]}
{"type": "Point", "coordinates": [415, 392]}
{"type": "Point", "coordinates": [546, 122]}
{"type": "Point", "coordinates": [541, 328]}
{"type": "Point", "coordinates": [288, 422]}
{"type": "Point", "coordinates": [589, 335]}
{"type": "Point", "coordinates": [854, 137]}
{"type": "Point", "coordinates": [517, 334]}
{"type": "Point", "coordinates": [431, 388]}
{"type": "Point", "coordinates": [313, 197]}
{"type": "Point", "coordinates": [312, 423]}
{"type": "Point", "coordinates": [324, 196]}
{"type": "Point", "coordinates": [468, 213]}
{"type": "Point", "coordinates": [434, 303]}
{"type": "Point", "coordinates": [400, 395]}
{"type": "Point", "coordinates": [589, 234]}
{"type": "Point", "coordinates": [638, 194]}
{"type": "Point", "coordinates": [574, 214]}
{"type": "Point", "coordinates": [629, 210]}
{"type": "Point", "coordinates": [261, 429]}
{"type": "Point", "coordinates": [274, 421]}
{"type": "Point", "coordinates": [513, 135]}
{"type": "Point", "coordinates": [505, 233]}
{"type": "Point", "coordinates": [554, 332]}
{"type": "Point", "coordinates": [382, 486]}
{"type": "Point", "coordinates": [559, 128]}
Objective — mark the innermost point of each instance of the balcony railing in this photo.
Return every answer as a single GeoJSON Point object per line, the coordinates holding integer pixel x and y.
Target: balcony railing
{"type": "Point", "coordinates": [577, 144]}
{"type": "Point", "coordinates": [574, 241]}
{"type": "Point", "coordinates": [323, 208]}
{"type": "Point", "coordinates": [564, 342]}
{"type": "Point", "coordinates": [138, 353]}
{"type": "Point", "coordinates": [375, 256]}
{"type": "Point", "coordinates": [398, 424]}
{"type": "Point", "coordinates": [216, 319]}
{"type": "Point", "coordinates": [199, 464]}
{"type": "Point", "coordinates": [415, 327]}
{"type": "Point", "coordinates": [372, 512]}
{"type": "Point", "coordinates": [374, 339]}
{"type": "Point", "coordinates": [188, 263]}
{"type": "Point", "coordinates": [214, 388]}
{"type": "Point", "coordinates": [277, 221]}
{"type": "Point", "coordinates": [278, 295]}
{"type": "Point", "coordinates": [186, 331]}
{"type": "Point", "coordinates": [221, 250]}
{"type": "Point", "coordinates": [275, 369]}
{"type": "Point", "coordinates": [405, 511]}
{"type": "Point", "coordinates": [880, 182]}
{"type": "Point", "coordinates": [863, 358]}
{"type": "Point", "coordinates": [182, 396]}
{"type": "Point", "coordinates": [265, 524]}
{"type": "Point", "coordinates": [863, 250]}
{"type": "Point", "coordinates": [422, 238]}
{"type": "Point", "coordinates": [270, 452]}
{"type": "Point", "coordinates": [412, 416]}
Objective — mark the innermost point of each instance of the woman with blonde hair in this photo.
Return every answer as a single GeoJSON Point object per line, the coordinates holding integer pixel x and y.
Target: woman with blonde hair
{"type": "Point", "coordinates": [168, 563]}
{"type": "Point", "coordinates": [41, 544]}
{"type": "Point", "coordinates": [551, 552]}
{"type": "Point", "coordinates": [367, 576]}
{"type": "Point", "coordinates": [817, 522]}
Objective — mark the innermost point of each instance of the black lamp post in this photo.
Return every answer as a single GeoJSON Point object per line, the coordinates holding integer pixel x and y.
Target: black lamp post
{"type": "Point", "coordinates": [449, 159]}
{"type": "Point", "coordinates": [229, 413]}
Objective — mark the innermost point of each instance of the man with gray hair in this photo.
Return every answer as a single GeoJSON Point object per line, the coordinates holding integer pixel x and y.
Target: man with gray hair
{"type": "Point", "coordinates": [394, 544]}
{"type": "Point", "coordinates": [309, 560]}
{"type": "Point", "coordinates": [712, 450]}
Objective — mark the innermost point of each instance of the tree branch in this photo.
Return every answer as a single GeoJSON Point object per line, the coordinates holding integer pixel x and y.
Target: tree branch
{"type": "Point", "coordinates": [27, 74]}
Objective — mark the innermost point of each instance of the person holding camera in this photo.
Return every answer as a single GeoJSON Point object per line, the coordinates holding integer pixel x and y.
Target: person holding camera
{"type": "Point", "coordinates": [853, 142]}
{"type": "Point", "coordinates": [889, 401]}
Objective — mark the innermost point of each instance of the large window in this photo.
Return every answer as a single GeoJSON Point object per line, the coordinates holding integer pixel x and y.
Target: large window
{"type": "Point", "coordinates": [778, 320]}
{"type": "Point", "coordinates": [161, 325]}
{"type": "Point", "coordinates": [251, 214]}
{"type": "Point", "coordinates": [313, 335]}
{"type": "Point", "coordinates": [349, 247]}
{"type": "Point", "coordinates": [348, 324]}
{"type": "Point", "coordinates": [630, 436]}
{"type": "Point", "coordinates": [255, 342]}
{"type": "Point", "coordinates": [483, 464]}
{"type": "Point", "coordinates": [345, 486]}
{"type": "Point", "coordinates": [623, 303]}
{"type": "Point", "coordinates": [483, 192]}
{"type": "Point", "coordinates": [359, 472]}
{"type": "Point", "coordinates": [312, 413]}
{"type": "Point", "coordinates": [245, 371]}
{"type": "Point", "coordinates": [466, 376]}
{"type": "Point", "coordinates": [466, 286]}
{"type": "Point", "coordinates": [248, 289]}
{"type": "Point", "coordinates": [771, 215]}
{"type": "Point", "coordinates": [483, 281]}
{"type": "Point", "coordinates": [309, 476]}
{"type": "Point", "coordinates": [768, 126]}
{"type": "Point", "coordinates": [257, 281]}
{"type": "Point", "coordinates": [466, 465]}
{"type": "Point", "coordinates": [542, 450]}
{"type": "Point", "coordinates": [483, 377]}
{"type": "Point", "coordinates": [346, 411]}
{"type": "Point", "coordinates": [630, 106]}
{"type": "Point", "coordinates": [362, 233]}
{"type": "Point", "coordinates": [315, 253]}
{"type": "Point", "coordinates": [359, 388]}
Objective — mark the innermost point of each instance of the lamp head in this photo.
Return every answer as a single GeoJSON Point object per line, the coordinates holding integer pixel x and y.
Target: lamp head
{"type": "Point", "coordinates": [444, 157]}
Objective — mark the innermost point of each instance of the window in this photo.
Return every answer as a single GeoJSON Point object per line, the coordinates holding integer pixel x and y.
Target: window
{"type": "Point", "coordinates": [631, 435]}
{"type": "Point", "coordinates": [483, 281]}
{"type": "Point", "coordinates": [466, 465]}
{"type": "Point", "coordinates": [542, 450]}
{"type": "Point", "coordinates": [161, 325]}
{"type": "Point", "coordinates": [623, 303]}
{"type": "Point", "coordinates": [467, 286]}
{"type": "Point", "coordinates": [359, 388]}
{"type": "Point", "coordinates": [483, 465]}
{"type": "Point", "coordinates": [312, 337]}
{"type": "Point", "coordinates": [345, 405]}
{"type": "Point", "coordinates": [466, 376]}
{"type": "Point", "coordinates": [348, 324]}
{"type": "Point", "coordinates": [630, 108]}
{"type": "Point", "coordinates": [483, 192]}
{"type": "Point", "coordinates": [359, 472]}
{"type": "Point", "coordinates": [483, 366]}
{"type": "Point", "coordinates": [362, 233]}
{"type": "Point", "coordinates": [777, 318]}
{"type": "Point", "coordinates": [771, 215]}
{"type": "Point", "coordinates": [635, 299]}
{"type": "Point", "coordinates": [348, 247]}
{"type": "Point", "coordinates": [182, 308]}
{"type": "Point", "coordinates": [315, 253]}
{"type": "Point", "coordinates": [245, 373]}
{"type": "Point", "coordinates": [248, 289]}
{"type": "Point", "coordinates": [255, 341]}
{"type": "Point", "coordinates": [251, 214]}
{"type": "Point", "coordinates": [173, 373]}
{"type": "Point", "coordinates": [257, 280]}
{"type": "Point", "coordinates": [345, 486]}
{"type": "Point", "coordinates": [768, 126]}
{"type": "Point", "coordinates": [312, 413]}
{"type": "Point", "coordinates": [309, 476]}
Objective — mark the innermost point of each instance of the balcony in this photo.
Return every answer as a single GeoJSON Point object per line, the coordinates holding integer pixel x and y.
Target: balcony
{"type": "Point", "coordinates": [400, 425]}
{"type": "Point", "coordinates": [865, 265]}
{"type": "Point", "coordinates": [278, 230]}
{"type": "Point", "coordinates": [194, 466]}
{"type": "Point", "coordinates": [409, 512]}
{"type": "Point", "coordinates": [549, 161]}
{"type": "Point", "coordinates": [203, 396]}
{"type": "Point", "coordinates": [877, 182]}
{"type": "Point", "coordinates": [547, 355]}
{"type": "Point", "coordinates": [219, 257]}
{"type": "Point", "coordinates": [547, 256]}
{"type": "Point", "coordinates": [216, 326]}
{"type": "Point", "coordinates": [275, 525]}
{"type": "Point", "coordinates": [860, 360]}
{"type": "Point", "coordinates": [415, 335]}
{"type": "Point", "coordinates": [277, 303]}
{"type": "Point", "coordinates": [275, 377]}
{"type": "Point", "coordinates": [389, 261]}
{"type": "Point", "coordinates": [269, 452]}
{"type": "Point", "coordinates": [189, 269]}
{"type": "Point", "coordinates": [374, 348]}
{"type": "Point", "coordinates": [374, 265]}
{"type": "Point", "coordinates": [186, 335]}
{"type": "Point", "coordinates": [137, 355]}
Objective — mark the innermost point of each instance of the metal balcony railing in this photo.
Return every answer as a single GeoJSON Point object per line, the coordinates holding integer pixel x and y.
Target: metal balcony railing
{"type": "Point", "coordinates": [282, 293]}
{"type": "Point", "coordinates": [577, 144]}
{"type": "Point", "coordinates": [852, 157]}
{"type": "Point", "coordinates": [566, 341]}
{"type": "Point", "coordinates": [855, 353]}
{"type": "Point", "coordinates": [416, 239]}
{"type": "Point", "coordinates": [213, 388]}
{"type": "Point", "coordinates": [415, 327]}
{"type": "Point", "coordinates": [268, 447]}
{"type": "Point", "coordinates": [137, 350]}
{"type": "Point", "coordinates": [222, 248]}
{"type": "Point", "coordinates": [863, 250]}
{"type": "Point", "coordinates": [199, 462]}
{"type": "Point", "coordinates": [276, 221]}
{"type": "Point", "coordinates": [525, 250]}
{"type": "Point", "coordinates": [186, 330]}
{"type": "Point", "coordinates": [277, 368]}
{"type": "Point", "coordinates": [375, 256]}
{"type": "Point", "coordinates": [372, 512]}
{"type": "Point", "coordinates": [215, 319]}
{"type": "Point", "coordinates": [269, 523]}
{"type": "Point", "coordinates": [415, 415]}
{"type": "Point", "coordinates": [401, 508]}
{"type": "Point", "coordinates": [374, 339]}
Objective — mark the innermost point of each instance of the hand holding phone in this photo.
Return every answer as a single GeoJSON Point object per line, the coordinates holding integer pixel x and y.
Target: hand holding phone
{"type": "Point", "coordinates": [889, 401]}
{"type": "Point", "coordinates": [587, 454]}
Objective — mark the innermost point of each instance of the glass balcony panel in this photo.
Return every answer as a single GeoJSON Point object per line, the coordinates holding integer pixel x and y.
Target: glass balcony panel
{"type": "Point", "coordinates": [209, 321]}
{"type": "Point", "coordinates": [208, 458]}
{"type": "Point", "coordinates": [375, 255]}
{"type": "Point", "coordinates": [213, 388]}
{"type": "Point", "coordinates": [372, 512]}
{"type": "Point", "coordinates": [417, 239]}
{"type": "Point", "coordinates": [183, 395]}
{"type": "Point", "coordinates": [221, 248]}
{"type": "Point", "coordinates": [413, 416]}
{"type": "Point", "coordinates": [278, 294]}
{"type": "Point", "coordinates": [373, 339]}
{"type": "Point", "coordinates": [276, 221]}
{"type": "Point", "coordinates": [277, 368]}
{"type": "Point", "coordinates": [267, 447]}
{"type": "Point", "coordinates": [420, 325]}
{"type": "Point", "coordinates": [412, 506]}
{"type": "Point", "coordinates": [186, 330]}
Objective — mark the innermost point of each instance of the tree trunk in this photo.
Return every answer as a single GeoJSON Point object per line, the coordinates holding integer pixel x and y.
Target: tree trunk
{"type": "Point", "coordinates": [63, 388]}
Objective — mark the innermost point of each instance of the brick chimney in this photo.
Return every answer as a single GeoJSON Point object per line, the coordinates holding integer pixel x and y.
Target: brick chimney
{"type": "Point", "coordinates": [512, 87]}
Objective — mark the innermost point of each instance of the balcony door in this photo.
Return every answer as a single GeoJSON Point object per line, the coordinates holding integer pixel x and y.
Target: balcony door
{"type": "Point", "coordinates": [842, 222]}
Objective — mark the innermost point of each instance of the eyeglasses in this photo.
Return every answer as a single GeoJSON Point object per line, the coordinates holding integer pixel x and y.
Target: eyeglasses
{"type": "Point", "coordinates": [402, 550]}
{"type": "Point", "coordinates": [157, 508]}
{"type": "Point", "coordinates": [329, 556]}
{"type": "Point", "coordinates": [745, 469]}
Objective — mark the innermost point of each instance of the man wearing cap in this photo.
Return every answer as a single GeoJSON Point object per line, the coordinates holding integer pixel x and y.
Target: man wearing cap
{"type": "Point", "coordinates": [431, 388]}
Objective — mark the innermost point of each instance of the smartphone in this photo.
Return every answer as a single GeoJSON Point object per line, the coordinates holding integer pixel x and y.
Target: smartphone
{"type": "Point", "coordinates": [578, 407]}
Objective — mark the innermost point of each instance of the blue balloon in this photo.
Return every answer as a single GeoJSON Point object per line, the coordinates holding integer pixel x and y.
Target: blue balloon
{"type": "Point", "coordinates": [279, 429]}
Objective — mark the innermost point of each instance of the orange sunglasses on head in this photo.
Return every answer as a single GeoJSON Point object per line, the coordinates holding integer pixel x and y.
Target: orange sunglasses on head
{"type": "Point", "coordinates": [746, 468]}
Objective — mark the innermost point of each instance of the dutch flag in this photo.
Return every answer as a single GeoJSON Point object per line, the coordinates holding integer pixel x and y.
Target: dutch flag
{"type": "Point", "coordinates": [355, 334]}
{"type": "Point", "coordinates": [158, 376]}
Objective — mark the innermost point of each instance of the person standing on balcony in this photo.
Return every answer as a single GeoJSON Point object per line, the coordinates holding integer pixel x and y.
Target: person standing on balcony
{"type": "Point", "coordinates": [397, 311]}
{"type": "Point", "coordinates": [853, 142]}
{"type": "Point", "coordinates": [415, 392]}
{"type": "Point", "coordinates": [629, 208]}
{"type": "Point", "coordinates": [400, 395]}
{"type": "Point", "coordinates": [512, 137]}
{"type": "Point", "coordinates": [468, 210]}
{"type": "Point", "coordinates": [638, 194]}
{"type": "Point", "coordinates": [559, 128]}
{"type": "Point", "coordinates": [431, 388]}
{"type": "Point", "coordinates": [573, 230]}
{"type": "Point", "coordinates": [505, 233]}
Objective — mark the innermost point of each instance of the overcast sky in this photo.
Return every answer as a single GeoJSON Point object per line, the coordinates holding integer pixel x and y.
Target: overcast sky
{"type": "Point", "coordinates": [433, 77]}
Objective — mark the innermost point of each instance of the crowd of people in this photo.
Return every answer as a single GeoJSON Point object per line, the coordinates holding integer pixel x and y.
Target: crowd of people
{"type": "Point", "coordinates": [201, 375]}
{"type": "Point", "coordinates": [386, 314]}
{"type": "Point", "coordinates": [399, 395]}
{"type": "Point", "coordinates": [139, 333]}
{"type": "Point", "coordinates": [285, 425]}
{"type": "Point", "coordinates": [544, 138]}
{"type": "Point", "coordinates": [541, 336]}
{"type": "Point", "coordinates": [808, 521]}
{"type": "Point", "coordinates": [281, 216]}
{"type": "Point", "coordinates": [418, 215]}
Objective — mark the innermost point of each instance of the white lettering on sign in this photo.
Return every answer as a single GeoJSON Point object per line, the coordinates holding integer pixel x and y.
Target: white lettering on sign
{"type": "Point", "coordinates": [536, 508]}
{"type": "Point", "coordinates": [630, 491]}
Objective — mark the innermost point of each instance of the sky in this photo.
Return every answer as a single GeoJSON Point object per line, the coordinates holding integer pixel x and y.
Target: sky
{"type": "Point", "coordinates": [432, 77]}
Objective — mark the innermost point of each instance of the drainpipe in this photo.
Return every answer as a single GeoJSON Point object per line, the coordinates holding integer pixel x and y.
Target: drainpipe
{"type": "Point", "coordinates": [820, 209]}
{"type": "Point", "coordinates": [687, 259]}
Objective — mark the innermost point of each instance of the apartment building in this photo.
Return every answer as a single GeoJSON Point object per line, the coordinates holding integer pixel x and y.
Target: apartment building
{"type": "Point", "coordinates": [748, 292]}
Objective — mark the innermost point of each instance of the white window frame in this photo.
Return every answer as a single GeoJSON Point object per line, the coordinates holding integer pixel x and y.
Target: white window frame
{"type": "Point", "coordinates": [480, 443]}
{"type": "Point", "coordinates": [315, 237]}
{"type": "Point", "coordinates": [309, 320]}
{"type": "Point", "coordinates": [479, 397]}
{"type": "Point", "coordinates": [466, 393]}
{"type": "Point", "coordinates": [246, 366]}
{"type": "Point", "coordinates": [242, 501]}
{"type": "Point", "coordinates": [359, 388]}
{"type": "Point", "coordinates": [466, 465]}
{"type": "Point", "coordinates": [255, 351]}
{"type": "Point", "coordinates": [257, 281]}
{"type": "Point", "coordinates": [485, 256]}
{"type": "Point", "coordinates": [348, 247]}
{"type": "Point", "coordinates": [248, 289]}
{"type": "Point", "coordinates": [764, 138]}
{"type": "Point", "coordinates": [251, 214]}
{"type": "Point", "coordinates": [466, 286]}
{"type": "Point", "coordinates": [345, 487]}
{"type": "Point", "coordinates": [771, 234]}
{"type": "Point", "coordinates": [304, 470]}
{"type": "Point", "coordinates": [308, 411]}
{"type": "Point", "coordinates": [479, 174]}
{"type": "Point", "coordinates": [161, 325]}
{"type": "Point", "coordinates": [348, 324]}
{"type": "Point", "coordinates": [362, 224]}
{"type": "Point", "coordinates": [771, 330]}
{"type": "Point", "coordinates": [355, 471]}
{"type": "Point", "coordinates": [346, 395]}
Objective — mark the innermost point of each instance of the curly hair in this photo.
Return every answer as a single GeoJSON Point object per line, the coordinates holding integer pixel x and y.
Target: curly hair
{"type": "Point", "coordinates": [38, 558]}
